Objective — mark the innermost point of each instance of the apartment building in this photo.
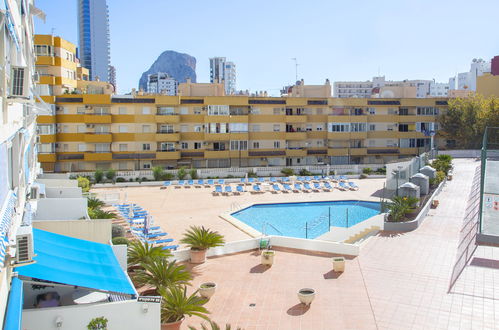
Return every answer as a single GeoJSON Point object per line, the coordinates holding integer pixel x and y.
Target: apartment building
{"type": "Point", "coordinates": [161, 83]}
{"type": "Point", "coordinates": [140, 132]}
{"type": "Point", "coordinates": [223, 71]}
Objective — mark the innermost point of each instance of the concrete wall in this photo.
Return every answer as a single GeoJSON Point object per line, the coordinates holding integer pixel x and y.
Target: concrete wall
{"type": "Point", "coordinates": [97, 230]}
{"type": "Point", "coordinates": [58, 182]}
{"type": "Point", "coordinates": [121, 253]}
{"type": "Point", "coordinates": [121, 315]}
{"type": "Point", "coordinates": [57, 176]}
{"type": "Point", "coordinates": [339, 234]}
{"type": "Point", "coordinates": [67, 209]}
{"type": "Point", "coordinates": [471, 153]}
{"type": "Point", "coordinates": [63, 192]}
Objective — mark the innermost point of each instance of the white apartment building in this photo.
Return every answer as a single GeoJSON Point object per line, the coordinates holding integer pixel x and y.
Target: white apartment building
{"type": "Point", "coordinates": [224, 71]}
{"type": "Point", "coordinates": [93, 38]}
{"type": "Point", "coordinates": [161, 83]}
{"type": "Point", "coordinates": [467, 80]}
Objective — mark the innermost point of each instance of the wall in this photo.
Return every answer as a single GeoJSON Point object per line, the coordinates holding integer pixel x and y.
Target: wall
{"type": "Point", "coordinates": [471, 153]}
{"type": "Point", "coordinates": [58, 182]}
{"type": "Point", "coordinates": [63, 192]}
{"type": "Point", "coordinates": [96, 230]}
{"type": "Point", "coordinates": [339, 234]}
{"type": "Point", "coordinates": [121, 315]}
{"type": "Point", "coordinates": [67, 209]}
{"type": "Point", "coordinates": [121, 253]}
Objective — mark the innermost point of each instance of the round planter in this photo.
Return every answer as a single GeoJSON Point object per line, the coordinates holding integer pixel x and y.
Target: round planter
{"type": "Point", "coordinates": [306, 296]}
{"type": "Point", "coordinates": [198, 256]}
{"type": "Point", "coordinates": [172, 325]}
{"type": "Point", "coordinates": [207, 289]}
{"type": "Point", "coordinates": [268, 257]}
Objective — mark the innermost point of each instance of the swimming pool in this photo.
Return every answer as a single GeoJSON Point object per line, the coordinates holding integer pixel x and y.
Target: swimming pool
{"type": "Point", "coordinates": [307, 219]}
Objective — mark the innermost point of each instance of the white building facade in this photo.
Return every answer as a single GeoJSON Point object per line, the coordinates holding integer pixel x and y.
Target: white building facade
{"type": "Point", "coordinates": [162, 83]}
{"type": "Point", "coordinates": [467, 80]}
{"type": "Point", "coordinates": [93, 38]}
{"type": "Point", "coordinates": [224, 71]}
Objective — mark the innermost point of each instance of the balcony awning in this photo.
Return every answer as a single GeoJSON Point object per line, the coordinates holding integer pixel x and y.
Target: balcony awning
{"type": "Point", "coordinates": [13, 315]}
{"type": "Point", "coordinates": [73, 261]}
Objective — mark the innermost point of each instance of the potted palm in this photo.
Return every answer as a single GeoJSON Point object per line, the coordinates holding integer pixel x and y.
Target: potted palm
{"type": "Point", "coordinates": [339, 264]}
{"type": "Point", "coordinates": [207, 289]}
{"type": "Point", "coordinates": [161, 273]}
{"type": "Point", "coordinates": [141, 253]}
{"type": "Point", "coordinates": [200, 239]}
{"type": "Point", "coordinates": [176, 304]}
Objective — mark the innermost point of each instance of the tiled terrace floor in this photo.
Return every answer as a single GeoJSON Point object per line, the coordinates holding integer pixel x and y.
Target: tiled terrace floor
{"type": "Point", "coordinates": [399, 281]}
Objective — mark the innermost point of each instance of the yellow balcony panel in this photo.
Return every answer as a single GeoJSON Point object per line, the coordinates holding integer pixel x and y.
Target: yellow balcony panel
{"type": "Point", "coordinates": [414, 119]}
{"type": "Point", "coordinates": [238, 119]}
{"type": "Point", "coordinates": [45, 119]}
{"type": "Point", "coordinates": [267, 135]}
{"type": "Point", "coordinates": [217, 136]}
{"type": "Point", "coordinates": [337, 151]}
{"type": "Point", "coordinates": [145, 118]}
{"type": "Point", "coordinates": [316, 134]}
{"type": "Point", "coordinates": [192, 118]}
{"type": "Point", "coordinates": [65, 81]}
{"type": "Point", "coordinates": [383, 119]}
{"type": "Point", "coordinates": [45, 60]}
{"type": "Point", "coordinates": [296, 101]}
{"type": "Point", "coordinates": [358, 151]}
{"type": "Point", "coordinates": [119, 137]}
{"type": "Point", "coordinates": [411, 135]}
{"type": "Point", "coordinates": [65, 63]}
{"type": "Point", "coordinates": [339, 119]}
{"type": "Point", "coordinates": [48, 99]}
{"type": "Point", "coordinates": [98, 138]}
{"type": "Point", "coordinates": [98, 156]}
{"type": "Point", "coordinates": [46, 158]}
{"type": "Point", "coordinates": [358, 119]}
{"type": "Point", "coordinates": [98, 99]}
{"type": "Point", "coordinates": [256, 153]}
{"type": "Point", "coordinates": [97, 119]}
{"type": "Point", "coordinates": [338, 135]}
{"type": "Point", "coordinates": [229, 100]}
{"type": "Point", "coordinates": [192, 153]}
{"type": "Point", "coordinates": [216, 154]}
{"type": "Point", "coordinates": [238, 153]}
{"type": "Point", "coordinates": [47, 80]}
{"type": "Point", "coordinates": [44, 39]}
{"type": "Point", "coordinates": [296, 135]}
{"type": "Point", "coordinates": [409, 151]}
{"type": "Point", "coordinates": [317, 118]}
{"type": "Point", "coordinates": [167, 155]}
{"type": "Point", "coordinates": [168, 137]}
{"type": "Point", "coordinates": [296, 152]}
{"type": "Point", "coordinates": [266, 118]}
{"type": "Point", "coordinates": [145, 136]}
{"type": "Point", "coordinates": [123, 118]}
{"type": "Point", "coordinates": [216, 119]}
{"type": "Point", "coordinates": [48, 138]}
{"type": "Point", "coordinates": [382, 134]}
{"type": "Point", "coordinates": [167, 119]}
{"type": "Point", "coordinates": [69, 118]}
{"type": "Point", "coordinates": [358, 135]}
{"type": "Point", "coordinates": [239, 136]}
{"type": "Point", "coordinates": [167, 100]}
{"type": "Point", "coordinates": [296, 119]}
{"type": "Point", "coordinates": [70, 137]}
{"type": "Point", "coordinates": [196, 136]}
{"type": "Point", "coordinates": [383, 151]}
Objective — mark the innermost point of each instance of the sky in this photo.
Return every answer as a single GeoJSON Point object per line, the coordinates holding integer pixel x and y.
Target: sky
{"type": "Point", "coordinates": [339, 40]}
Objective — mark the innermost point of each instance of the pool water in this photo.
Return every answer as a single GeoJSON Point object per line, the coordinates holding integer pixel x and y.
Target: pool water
{"type": "Point", "coordinates": [306, 220]}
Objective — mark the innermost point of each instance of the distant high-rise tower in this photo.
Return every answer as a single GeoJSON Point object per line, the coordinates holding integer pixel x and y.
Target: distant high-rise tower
{"type": "Point", "coordinates": [93, 37]}
{"type": "Point", "coordinates": [221, 70]}
{"type": "Point", "coordinates": [112, 76]}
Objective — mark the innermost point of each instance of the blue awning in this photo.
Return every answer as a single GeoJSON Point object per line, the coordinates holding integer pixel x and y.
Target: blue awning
{"type": "Point", "coordinates": [13, 316]}
{"type": "Point", "coordinates": [73, 261]}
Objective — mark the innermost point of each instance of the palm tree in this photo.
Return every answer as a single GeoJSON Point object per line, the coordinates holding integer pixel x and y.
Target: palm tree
{"type": "Point", "coordinates": [161, 273]}
{"type": "Point", "coordinates": [141, 253]}
{"type": "Point", "coordinates": [200, 238]}
{"type": "Point", "coordinates": [176, 304]}
{"type": "Point", "coordinates": [399, 207]}
{"type": "Point", "coordinates": [94, 203]}
{"type": "Point", "coordinates": [100, 214]}
{"type": "Point", "coordinates": [214, 326]}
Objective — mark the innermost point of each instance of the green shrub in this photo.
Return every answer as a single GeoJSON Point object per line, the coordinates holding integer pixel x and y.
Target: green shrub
{"type": "Point", "coordinates": [131, 179]}
{"type": "Point", "coordinates": [441, 165]}
{"type": "Point", "coordinates": [367, 170]}
{"type": "Point", "coordinates": [83, 183]}
{"type": "Point", "coordinates": [381, 170]}
{"type": "Point", "coordinates": [167, 176]}
{"type": "Point", "coordinates": [400, 206]}
{"type": "Point", "coordinates": [445, 158]}
{"type": "Point", "coordinates": [100, 214]}
{"type": "Point", "coordinates": [120, 241]}
{"type": "Point", "coordinates": [287, 171]}
{"type": "Point", "coordinates": [120, 179]}
{"type": "Point", "coordinates": [111, 174]}
{"type": "Point", "coordinates": [304, 172]}
{"type": "Point", "coordinates": [363, 176]}
{"type": "Point", "coordinates": [117, 231]}
{"type": "Point", "coordinates": [252, 174]}
{"type": "Point", "coordinates": [98, 175]}
{"type": "Point", "coordinates": [158, 173]}
{"type": "Point", "coordinates": [349, 173]}
{"type": "Point", "coordinates": [193, 174]}
{"type": "Point", "coordinates": [143, 179]}
{"type": "Point", "coordinates": [181, 173]}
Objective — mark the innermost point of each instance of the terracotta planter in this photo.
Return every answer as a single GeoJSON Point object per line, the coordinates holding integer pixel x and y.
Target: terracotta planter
{"type": "Point", "coordinates": [172, 325]}
{"type": "Point", "coordinates": [339, 264]}
{"type": "Point", "coordinates": [198, 256]}
{"type": "Point", "coordinates": [434, 203]}
{"type": "Point", "coordinates": [306, 296]}
{"type": "Point", "coordinates": [207, 290]}
{"type": "Point", "coordinates": [268, 257]}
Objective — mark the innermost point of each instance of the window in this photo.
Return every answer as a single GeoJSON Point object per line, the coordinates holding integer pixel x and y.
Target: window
{"type": "Point", "coordinates": [255, 128]}
{"type": "Point", "coordinates": [82, 147]}
{"type": "Point", "coordinates": [358, 127]}
{"type": "Point", "coordinates": [65, 129]}
{"type": "Point", "coordinates": [238, 145]}
{"type": "Point", "coordinates": [80, 110]}
{"type": "Point", "coordinates": [218, 110]}
{"type": "Point", "coordinates": [165, 128]}
{"type": "Point", "coordinates": [146, 128]}
{"type": "Point", "coordinates": [184, 145]}
{"type": "Point", "coordinates": [372, 143]}
{"type": "Point", "coordinates": [167, 146]}
{"type": "Point", "coordinates": [18, 82]}
{"type": "Point", "coordinates": [277, 145]}
{"type": "Point", "coordinates": [427, 111]}
{"type": "Point", "coordinates": [123, 147]}
{"type": "Point", "coordinates": [123, 128]}
{"type": "Point", "coordinates": [238, 127]}
{"type": "Point", "coordinates": [255, 111]}
{"type": "Point", "coordinates": [277, 111]}
{"type": "Point", "coordinates": [403, 112]}
{"type": "Point", "coordinates": [309, 128]}
{"type": "Point", "coordinates": [81, 128]}
{"type": "Point", "coordinates": [320, 127]}
{"type": "Point", "coordinates": [198, 128]}
{"type": "Point", "coordinates": [184, 110]}
{"type": "Point", "coordinates": [277, 127]}
{"type": "Point", "coordinates": [320, 143]}
{"type": "Point", "coordinates": [197, 110]}
{"type": "Point", "coordinates": [146, 166]}
{"type": "Point", "coordinates": [146, 146]}
{"type": "Point", "coordinates": [256, 145]}
{"type": "Point", "coordinates": [338, 127]}
{"type": "Point", "coordinates": [403, 128]}
{"type": "Point", "coordinates": [372, 111]}
{"type": "Point", "coordinates": [122, 166]}
{"type": "Point", "coordinates": [216, 128]}
{"type": "Point", "coordinates": [197, 145]}
{"type": "Point", "coordinates": [166, 111]}
{"type": "Point", "coordinates": [102, 147]}
{"type": "Point", "coordinates": [146, 110]}
{"type": "Point", "coordinates": [372, 127]}
{"type": "Point", "coordinates": [122, 111]}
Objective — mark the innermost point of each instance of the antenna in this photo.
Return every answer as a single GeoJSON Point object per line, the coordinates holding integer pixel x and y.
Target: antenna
{"type": "Point", "coordinates": [296, 68]}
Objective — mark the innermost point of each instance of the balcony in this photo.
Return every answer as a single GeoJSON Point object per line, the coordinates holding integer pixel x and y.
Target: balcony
{"type": "Point", "coordinates": [47, 138]}
{"type": "Point", "coordinates": [296, 135]}
{"type": "Point", "coordinates": [70, 156]}
{"type": "Point", "coordinates": [167, 119]}
{"type": "Point", "coordinates": [238, 154]}
{"type": "Point", "coordinates": [296, 119]}
{"type": "Point", "coordinates": [46, 158]}
{"type": "Point", "coordinates": [98, 137]}
{"type": "Point", "coordinates": [216, 154]}
{"type": "Point", "coordinates": [358, 151]}
{"type": "Point", "coordinates": [337, 152]}
{"type": "Point", "coordinates": [98, 156]}
{"type": "Point", "coordinates": [43, 119]}
{"type": "Point", "coordinates": [118, 137]}
{"type": "Point", "coordinates": [192, 136]}
{"type": "Point", "coordinates": [168, 154]}
{"type": "Point", "coordinates": [382, 134]}
{"type": "Point", "coordinates": [189, 154]}
{"type": "Point", "coordinates": [346, 135]}
{"type": "Point", "coordinates": [383, 119]}
{"type": "Point", "coordinates": [299, 152]}
{"type": "Point", "coordinates": [410, 151]}
{"type": "Point", "coordinates": [167, 136]}
{"type": "Point", "coordinates": [217, 136]}
{"type": "Point", "coordinates": [383, 151]}
{"type": "Point", "coordinates": [45, 60]}
{"type": "Point", "coordinates": [97, 119]}
{"type": "Point", "coordinates": [134, 155]}
{"type": "Point", "coordinates": [317, 134]}
{"type": "Point", "coordinates": [267, 152]}
{"type": "Point", "coordinates": [47, 80]}
{"type": "Point", "coordinates": [317, 151]}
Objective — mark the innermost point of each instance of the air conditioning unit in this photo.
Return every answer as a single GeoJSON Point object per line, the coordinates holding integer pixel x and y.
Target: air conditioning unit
{"type": "Point", "coordinates": [88, 107]}
{"type": "Point", "coordinates": [24, 245]}
{"type": "Point", "coordinates": [90, 125]}
{"type": "Point", "coordinates": [36, 77]}
{"type": "Point", "coordinates": [34, 193]}
{"type": "Point", "coordinates": [58, 108]}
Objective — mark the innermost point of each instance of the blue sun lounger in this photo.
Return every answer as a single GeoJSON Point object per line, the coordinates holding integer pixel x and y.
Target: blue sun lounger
{"type": "Point", "coordinates": [300, 178]}
{"type": "Point", "coordinates": [285, 179]}
{"type": "Point", "coordinates": [343, 186]}
{"type": "Point", "coordinates": [353, 186]}
{"type": "Point", "coordinates": [287, 187]}
{"type": "Point", "coordinates": [161, 241]}
{"type": "Point", "coordinates": [307, 187]}
{"type": "Point", "coordinates": [307, 178]}
{"type": "Point", "coordinates": [190, 182]}
{"type": "Point", "coordinates": [327, 186]}
{"type": "Point", "coordinates": [343, 178]}
{"type": "Point", "coordinates": [170, 247]}
{"type": "Point", "coordinates": [276, 188]}
{"type": "Point", "coordinates": [256, 188]}
{"type": "Point", "coordinates": [200, 183]}
{"type": "Point", "coordinates": [261, 180]}
{"type": "Point", "coordinates": [317, 187]}
{"type": "Point", "coordinates": [251, 180]}
{"type": "Point", "coordinates": [317, 178]}
{"type": "Point", "coordinates": [240, 189]}
{"type": "Point", "coordinates": [228, 189]}
{"type": "Point", "coordinates": [167, 183]}
{"type": "Point", "coordinates": [297, 187]}
{"type": "Point", "coordinates": [272, 179]}
{"type": "Point", "coordinates": [181, 182]}
{"type": "Point", "coordinates": [218, 190]}
{"type": "Point", "coordinates": [211, 182]}
{"type": "Point", "coordinates": [243, 180]}
{"type": "Point", "coordinates": [221, 181]}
